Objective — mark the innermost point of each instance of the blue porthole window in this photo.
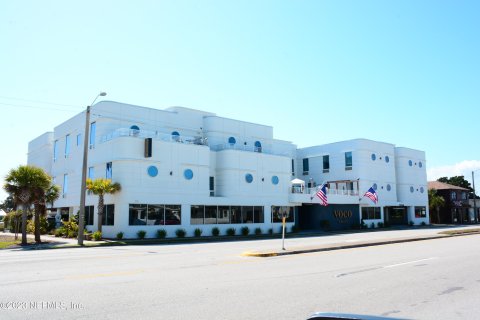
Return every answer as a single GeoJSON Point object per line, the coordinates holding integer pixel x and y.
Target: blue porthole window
{"type": "Point", "coordinates": [389, 187]}
{"type": "Point", "coordinates": [422, 190]}
{"type": "Point", "coordinates": [135, 127]}
{"type": "Point", "coordinates": [387, 159]}
{"type": "Point", "coordinates": [175, 136]}
{"type": "Point", "coordinates": [375, 186]}
{"type": "Point", "coordinates": [275, 180]}
{"type": "Point", "coordinates": [374, 157]}
{"type": "Point", "coordinates": [258, 146]}
{"type": "Point", "coordinates": [412, 189]}
{"type": "Point", "coordinates": [188, 174]}
{"type": "Point", "coordinates": [249, 178]}
{"type": "Point", "coordinates": [152, 171]}
{"type": "Point", "coordinates": [420, 164]}
{"type": "Point", "coordinates": [232, 141]}
{"type": "Point", "coordinates": [410, 163]}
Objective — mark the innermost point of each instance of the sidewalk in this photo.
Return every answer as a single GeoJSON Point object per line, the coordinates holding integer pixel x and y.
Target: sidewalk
{"type": "Point", "coordinates": [49, 242]}
{"type": "Point", "coordinates": [348, 240]}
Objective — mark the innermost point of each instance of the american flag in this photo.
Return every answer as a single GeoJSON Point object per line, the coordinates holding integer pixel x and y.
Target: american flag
{"type": "Point", "coordinates": [322, 195]}
{"type": "Point", "coordinates": [372, 195]}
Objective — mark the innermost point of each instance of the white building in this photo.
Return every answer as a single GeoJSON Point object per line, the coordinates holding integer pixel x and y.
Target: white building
{"type": "Point", "coordinates": [184, 168]}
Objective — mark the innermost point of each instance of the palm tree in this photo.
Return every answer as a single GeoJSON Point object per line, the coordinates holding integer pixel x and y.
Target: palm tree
{"type": "Point", "coordinates": [48, 196]}
{"type": "Point", "coordinates": [101, 187]}
{"type": "Point", "coordinates": [435, 202]}
{"type": "Point", "coordinates": [27, 185]}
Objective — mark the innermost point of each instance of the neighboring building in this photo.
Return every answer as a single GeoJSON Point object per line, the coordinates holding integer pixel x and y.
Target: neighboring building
{"type": "Point", "coordinates": [456, 208]}
{"type": "Point", "coordinates": [185, 168]}
{"type": "Point", "coordinates": [474, 207]}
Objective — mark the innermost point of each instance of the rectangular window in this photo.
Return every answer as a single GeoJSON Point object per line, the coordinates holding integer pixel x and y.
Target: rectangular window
{"type": "Point", "coordinates": [293, 167]}
{"type": "Point", "coordinates": [155, 214]}
{"type": "Point", "coordinates": [197, 214]}
{"type": "Point", "coordinates": [89, 215]}
{"type": "Point", "coordinates": [279, 212]}
{"type": "Point", "coordinates": [108, 171]}
{"type": "Point", "coordinates": [93, 129]}
{"type": "Point", "coordinates": [258, 216]}
{"type": "Point", "coordinates": [420, 212]}
{"type": "Point", "coordinates": [67, 145]}
{"type": "Point", "coordinates": [305, 166]}
{"type": "Point", "coordinates": [235, 214]}
{"type": "Point", "coordinates": [348, 160]}
{"type": "Point", "coordinates": [212, 186]}
{"type": "Point", "coordinates": [173, 214]}
{"type": "Point", "coordinates": [91, 173]}
{"type": "Point", "coordinates": [453, 195]}
{"type": "Point", "coordinates": [371, 213]}
{"type": "Point", "coordinates": [108, 218]}
{"type": "Point", "coordinates": [247, 214]}
{"type": "Point", "coordinates": [79, 139]}
{"type": "Point", "coordinates": [464, 195]}
{"type": "Point", "coordinates": [55, 150]}
{"type": "Point", "coordinates": [326, 163]}
{"type": "Point", "coordinates": [137, 214]}
{"type": "Point", "coordinates": [65, 184]}
{"type": "Point", "coordinates": [223, 214]}
{"type": "Point", "coordinates": [210, 214]}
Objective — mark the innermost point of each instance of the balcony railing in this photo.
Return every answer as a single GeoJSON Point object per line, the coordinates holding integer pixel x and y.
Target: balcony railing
{"type": "Point", "coordinates": [125, 132]}
{"type": "Point", "coordinates": [247, 148]}
{"type": "Point", "coordinates": [330, 191]}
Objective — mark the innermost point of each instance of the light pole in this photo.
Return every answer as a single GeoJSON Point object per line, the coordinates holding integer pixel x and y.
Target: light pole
{"type": "Point", "coordinates": [83, 187]}
{"type": "Point", "coordinates": [474, 197]}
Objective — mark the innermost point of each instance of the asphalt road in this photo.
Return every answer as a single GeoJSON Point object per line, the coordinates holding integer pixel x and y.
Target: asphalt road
{"type": "Point", "coordinates": [434, 279]}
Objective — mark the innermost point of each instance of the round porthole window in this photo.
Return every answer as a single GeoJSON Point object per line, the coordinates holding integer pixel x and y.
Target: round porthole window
{"type": "Point", "coordinates": [410, 163]}
{"type": "Point", "coordinates": [249, 178]}
{"type": "Point", "coordinates": [275, 180]}
{"type": "Point", "coordinates": [389, 187]}
{"type": "Point", "coordinates": [152, 171]}
{"type": "Point", "coordinates": [374, 157]}
{"type": "Point", "coordinates": [188, 174]}
{"type": "Point", "coordinates": [412, 189]}
{"type": "Point", "coordinates": [232, 140]}
{"type": "Point", "coordinates": [375, 186]}
{"type": "Point", "coordinates": [387, 159]}
{"type": "Point", "coordinates": [420, 164]}
{"type": "Point", "coordinates": [422, 190]}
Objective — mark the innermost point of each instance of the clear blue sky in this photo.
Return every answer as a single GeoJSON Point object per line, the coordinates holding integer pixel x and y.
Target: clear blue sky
{"type": "Point", "coordinates": [405, 72]}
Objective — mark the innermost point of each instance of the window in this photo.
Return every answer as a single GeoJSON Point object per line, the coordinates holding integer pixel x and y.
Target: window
{"type": "Point", "coordinates": [279, 212]}
{"type": "Point", "coordinates": [188, 174]}
{"type": "Point", "coordinates": [293, 167]}
{"type": "Point", "coordinates": [389, 187]}
{"type": "Point", "coordinates": [232, 141]}
{"type": "Point", "coordinates": [420, 212]}
{"type": "Point", "coordinates": [410, 163]}
{"type": "Point", "coordinates": [453, 195]}
{"type": "Point", "coordinates": [375, 187]}
{"type": "Point", "coordinates": [326, 163]}
{"type": "Point", "coordinates": [348, 160]}
{"type": "Point", "coordinates": [91, 173]}
{"type": "Point", "coordinates": [175, 136]}
{"type": "Point", "coordinates": [55, 150]}
{"type": "Point", "coordinates": [248, 178]}
{"type": "Point", "coordinates": [67, 145]}
{"type": "Point", "coordinates": [412, 189]}
{"type": "Point", "coordinates": [210, 214]}
{"type": "Point", "coordinates": [93, 129]}
{"type": "Point", "coordinates": [305, 166]}
{"type": "Point", "coordinates": [65, 184]}
{"type": "Point", "coordinates": [108, 171]}
{"type": "Point", "coordinates": [108, 218]}
{"type": "Point", "coordinates": [258, 216]}
{"type": "Point", "coordinates": [258, 146]}
{"type": "Point", "coordinates": [152, 171]}
{"type": "Point", "coordinates": [223, 215]}
{"type": "Point", "coordinates": [79, 139]}
{"type": "Point", "coordinates": [422, 190]}
{"type": "Point", "coordinates": [154, 214]}
{"type": "Point", "coordinates": [235, 214]}
{"type": "Point", "coordinates": [89, 215]}
{"type": "Point", "coordinates": [371, 213]}
{"type": "Point", "coordinates": [212, 186]}
{"type": "Point", "coordinates": [197, 214]}
{"type": "Point", "coordinates": [464, 195]}
{"type": "Point", "coordinates": [275, 180]}
{"type": "Point", "coordinates": [374, 157]}
{"type": "Point", "coordinates": [387, 159]}
{"type": "Point", "coordinates": [247, 214]}
{"type": "Point", "coordinates": [420, 164]}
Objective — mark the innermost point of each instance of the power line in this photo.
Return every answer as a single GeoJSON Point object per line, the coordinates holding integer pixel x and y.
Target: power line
{"type": "Point", "coordinates": [36, 107]}
{"type": "Point", "coordinates": [43, 102]}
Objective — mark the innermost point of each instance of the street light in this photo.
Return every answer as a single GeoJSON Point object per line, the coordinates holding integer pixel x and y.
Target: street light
{"type": "Point", "coordinates": [83, 188]}
{"type": "Point", "coordinates": [474, 197]}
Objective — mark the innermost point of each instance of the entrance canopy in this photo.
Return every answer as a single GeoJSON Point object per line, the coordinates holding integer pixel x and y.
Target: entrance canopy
{"type": "Point", "coordinates": [297, 182]}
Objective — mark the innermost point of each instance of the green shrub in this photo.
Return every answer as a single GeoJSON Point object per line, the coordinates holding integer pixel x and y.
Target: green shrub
{"type": "Point", "coordinates": [60, 232]}
{"type": "Point", "coordinates": [245, 231]}
{"type": "Point", "coordinates": [258, 231]}
{"type": "Point", "coordinates": [141, 234]}
{"type": "Point", "coordinates": [71, 228]}
{"type": "Point", "coordinates": [44, 227]}
{"type": "Point", "coordinates": [198, 232]}
{"type": "Point", "coordinates": [423, 223]}
{"type": "Point", "coordinates": [161, 233]}
{"type": "Point", "coordinates": [97, 235]}
{"type": "Point", "coordinates": [380, 225]}
{"type": "Point", "coordinates": [270, 231]}
{"type": "Point", "coordinates": [120, 235]}
{"type": "Point", "coordinates": [372, 225]}
{"type": "Point", "coordinates": [180, 233]}
{"type": "Point", "coordinates": [411, 223]}
{"type": "Point", "coordinates": [231, 231]}
{"type": "Point", "coordinates": [215, 231]}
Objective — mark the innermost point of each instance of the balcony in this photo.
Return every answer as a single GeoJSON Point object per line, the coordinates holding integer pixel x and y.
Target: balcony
{"type": "Point", "coordinates": [126, 132]}
{"type": "Point", "coordinates": [300, 194]}
{"type": "Point", "coordinates": [246, 148]}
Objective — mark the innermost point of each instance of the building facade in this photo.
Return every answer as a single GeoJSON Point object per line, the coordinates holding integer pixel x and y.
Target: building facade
{"type": "Point", "coordinates": [456, 209]}
{"type": "Point", "coordinates": [185, 168]}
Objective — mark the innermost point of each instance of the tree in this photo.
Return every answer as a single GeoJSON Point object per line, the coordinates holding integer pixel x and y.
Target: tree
{"type": "Point", "coordinates": [435, 202]}
{"type": "Point", "coordinates": [458, 181]}
{"type": "Point", "coordinates": [8, 205]}
{"type": "Point", "coordinates": [47, 196]}
{"type": "Point", "coordinates": [27, 185]}
{"type": "Point", "coordinates": [101, 187]}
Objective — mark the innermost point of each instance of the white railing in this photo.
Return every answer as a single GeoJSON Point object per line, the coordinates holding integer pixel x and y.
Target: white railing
{"type": "Point", "coordinates": [125, 132]}
{"type": "Point", "coordinates": [247, 148]}
{"type": "Point", "coordinates": [330, 191]}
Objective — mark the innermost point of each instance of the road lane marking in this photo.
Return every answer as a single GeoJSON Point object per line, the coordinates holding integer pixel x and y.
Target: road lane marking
{"type": "Point", "coordinates": [104, 275]}
{"type": "Point", "coordinates": [409, 262]}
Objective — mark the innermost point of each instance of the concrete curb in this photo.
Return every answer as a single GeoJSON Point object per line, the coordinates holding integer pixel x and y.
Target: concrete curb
{"type": "Point", "coordinates": [333, 247]}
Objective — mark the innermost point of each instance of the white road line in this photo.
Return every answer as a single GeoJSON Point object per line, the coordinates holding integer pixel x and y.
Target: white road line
{"type": "Point", "coordinates": [409, 262]}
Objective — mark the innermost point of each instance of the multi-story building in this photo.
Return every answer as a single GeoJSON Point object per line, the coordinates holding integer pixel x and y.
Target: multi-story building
{"type": "Point", "coordinates": [184, 168]}
{"type": "Point", "coordinates": [456, 208]}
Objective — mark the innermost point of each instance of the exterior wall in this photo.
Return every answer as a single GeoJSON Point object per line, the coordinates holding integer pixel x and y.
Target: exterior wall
{"type": "Point", "coordinates": [40, 152]}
